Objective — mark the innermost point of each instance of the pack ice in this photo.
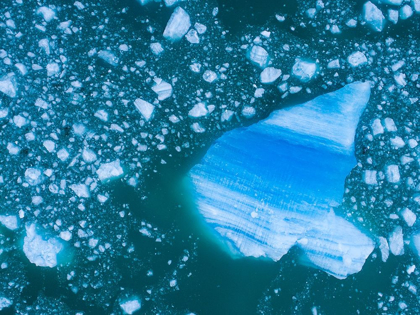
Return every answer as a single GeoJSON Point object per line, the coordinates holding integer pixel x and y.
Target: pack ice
{"type": "Point", "coordinates": [273, 185]}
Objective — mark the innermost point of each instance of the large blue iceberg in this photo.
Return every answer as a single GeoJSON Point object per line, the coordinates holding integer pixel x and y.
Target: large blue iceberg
{"type": "Point", "coordinates": [273, 185]}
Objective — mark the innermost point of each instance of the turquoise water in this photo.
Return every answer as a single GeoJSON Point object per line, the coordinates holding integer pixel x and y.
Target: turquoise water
{"type": "Point", "coordinates": [140, 235]}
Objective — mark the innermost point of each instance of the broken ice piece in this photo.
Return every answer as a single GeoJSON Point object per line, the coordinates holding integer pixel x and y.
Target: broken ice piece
{"type": "Point", "coordinates": [40, 251]}
{"type": "Point", "coordinates": [269, 75]}
{"type": "Point", "coordinates": [131, 306]}
{"type": "Point", "coordinates": [162, 89]}
{"type": "Point", "coordinates": [304, 70]}
{"type": "Point", "coordinates": [109, 57]}
{"type": "Point", "coordinates": [110, 170]}
{"type": "Point", "coordinates": [145, 108]}
{"type": "Point", "coordinates": [178, 25]}
{"type": "Point", "coordinates": [8, 85]}
{"type": "Point", "coordinates": [9, 221]}
{"type": "Point", "coordinates": [373, 17]}
{"type": "Point", "coordinates": [258, 56]}
{"type": "Point", "coordinates": [268, 187]}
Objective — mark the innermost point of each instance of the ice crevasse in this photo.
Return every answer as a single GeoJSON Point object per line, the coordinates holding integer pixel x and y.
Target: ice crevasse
{"type": "Point", "coordinates": [273, 185]}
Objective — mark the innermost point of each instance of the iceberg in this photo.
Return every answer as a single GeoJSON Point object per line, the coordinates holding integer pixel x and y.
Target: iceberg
{"type": "Point", "coordinates": [41, 252]}
{"type": "Point", "coordinates": [178, 25]}
{"type": "Point", "coordinates": [273, 185]}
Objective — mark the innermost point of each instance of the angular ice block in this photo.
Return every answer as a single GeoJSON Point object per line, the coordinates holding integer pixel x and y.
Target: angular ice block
{"type": "Point", "coordinates": [273, 185]}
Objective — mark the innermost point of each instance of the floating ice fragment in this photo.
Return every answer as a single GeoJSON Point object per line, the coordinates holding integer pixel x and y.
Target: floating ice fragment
{"type": "Point", "coordinates": [334, 64]}
{"type": "Point", "coordinates": [258, 56]}
{"type": "Point", "coordinates": [145, 108]}
{"type": "Point", "coordinates": [384, 248]}
{"type": "Point", "coordinates": [192, 36]}
{"type": "Point", "coordinates": [40, 251]}
{"type": "Point", "coordinates": [162, 89]}
{"type": "Point", "coordinates": [47, 13]}
{"type": "Point", "coordinates": [373, 17]}
{"type": "Point", "coordinates": [269, 75]}
{"type": "Point", "coordinates": [377, 127]}
{"type": "Point", "coordinates": [370, 177]}
{"type": "Point", "coordinates": [8, 85]}
{"type": "Point", "coordinates": [392, 173]}
{"type": "Point", "coordinates": [178, 25]}
{"type": "Point", "coordinates": [131, 306]}
{"type": "Point", "coordinates": [391, 2]}
{"type": "Point", "coordinates": [408, 216]}
{"type": "Point", "coordinates": [88, 155]}
{"type": "Point", "coordinates": [9, 221]}
{"type": "Point", "coordinates": [156, 48]}
{"type": "Point", "coordinates": [357, 59]}
{"type": "Point", "coordinates": [52, 69]}
{"type": "Point", "coordinates": [109, 57]}
{"type": "Point", "coordinates": [5, 303]}
{"type": "Point", "coordinates": [209, 76]}
{"type": "Point", "coordinates": [271, 186]}
{"type": "Point", "coordinates": [110, 170]}
{"type": "Point", "coordinates": [33, 176]}
{"type": "Point", "coordinates": [201, 28]}
{"type": "Point", "coordinates": [170, 3]}
{"type": "Point", "coordinates": [393, 16]}
{"type": "Point", "coordinates": [396, 241]}
{"type": "Point", "coordinates": [199, 110]}
{"type": "Point", "coordinates": [304, 70]}
{"type": "Point", "coordinates": [406, 12]}
{"type": "Point", "coordinates": [81, 190]}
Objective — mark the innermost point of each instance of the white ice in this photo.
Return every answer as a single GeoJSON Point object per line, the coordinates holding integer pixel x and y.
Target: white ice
{"type": "Point", "coordinates": [33, 176]}
{"type": "Point", "coordinates": [162, 89]}
{"type": "Point", "coordinates": [258, 56]}
{"type": "Point", "coordinates": [47, 13]}
{"type": "Point", "coordinates": [199, 110]}
{"type": "Point", "coordinates": [145, 108]}
{"type": "Point", "coordinates": [357, 59]}
{"type": "Point", "coordinates": [110, 170]}
{"type": "Point", "coordinates": [9, 221]}
{"type": "Point", "coordinates": [8, 85]}
{"type": "Point", "coordinates": [178, 25]}
{"type": "Point", "coordinates": [40, 251]}
{"type": "Point", "coordinates": [81, 190]}
{"type": "Point", "coordinates": [109, 57]}
{"type": "Point", "coordinates": [304, 70]}
{"type": "Point", "coordinates": [131, 306]}
{"type": "Point", "coordinates": [396, 241]}
{"type": "Point", "coordinates": [373, 17]}
{"type": "Point", "coordinates": [269, 75]}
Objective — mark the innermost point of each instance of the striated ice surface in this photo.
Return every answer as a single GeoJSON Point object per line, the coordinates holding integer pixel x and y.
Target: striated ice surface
{"type": "Point", "coordinates": [40, 251]}
{"type": "Point", "coordinates": [269, 75]}
{"type": "Point", "coordinates": [273, 185]}
{"type": "Point", "coordinates": [178, 25]}
{"type": "Point", "coordinates": [258, 56]}
{"type": "Point", "coordinates": [373, 17]}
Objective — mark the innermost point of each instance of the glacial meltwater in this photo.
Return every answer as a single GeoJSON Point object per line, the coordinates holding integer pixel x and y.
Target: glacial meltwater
{"type": "Point", "coordinates": [209, 157]}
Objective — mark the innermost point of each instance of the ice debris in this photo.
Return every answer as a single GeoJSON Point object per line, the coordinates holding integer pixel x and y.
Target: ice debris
{"type": "Point", "coordinates": [145, 108]}
{"type": "Point", "coordinates": [8, 85]}
{"type": "Point", "coordinates": [304, 70]}
{"type": "Point", "coordinates": [258, 56]}
{"type": "Point", "coordinates": [9, 221]}
{"type": "Point", "coordinates": [110, 170]}
{"type": "Point", "coordinates": [373, 17]}
{"type": "Point", "coordinates": [40, 251]}
{"type": "Point", "coordinates": [272, 185]}
{"type": "Point", "coordinates": [131, 306]}
{"type": "Point", "coordinates": [178, 25]}
{"type": "Point", "coordinates": [269, 75]}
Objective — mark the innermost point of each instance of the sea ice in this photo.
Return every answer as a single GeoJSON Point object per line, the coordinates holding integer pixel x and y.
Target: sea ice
{"type": "Point", "coordinates": [145, 108]}
{"type": "Point", "coordinates": [258, 56]}
{"type": "Point", "coordinates": [373, 17]}
{"type": "Point", "coordinates": [47, 13]}
{"type": "Point", "coordinates": [33, 176]}
{"type": "Point", "coordinates": [262, 194]}
{"type": "Point", "coordinates": [178, 25]}
{"type": "Point", "coordinates": [131, 306]}
{"type": "Point", "coordinates": [5, 302]}
{"type": "Point", "coordinates": [109, 57]}
{"type": "Point", "coordinates": [304, 70]}
{"type": "Point", "coordinates": [162, 89]}
{"type": "Point", "coordinates": [199, 110]}
{"type": "Point", "coordinates": [81, 190]}
{"type": "Point", "coordinates": [8, 85]}
{"type": "Point", "coordinates": [40, 251]}
{"type": "Point", "coordinates": [357, 59]}
{"type": "Point", "coordinates": [269, 75]}
{"type": "Point", "coordinates": [110, 170]}
{"type": "Point", "coordinates": [9, 221]}
{"type": "Point", "coordinates": [396, 241]}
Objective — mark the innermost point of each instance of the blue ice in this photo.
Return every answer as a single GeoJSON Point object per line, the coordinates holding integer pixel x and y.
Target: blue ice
{"type": "Point", "coordinates": [273, 185]}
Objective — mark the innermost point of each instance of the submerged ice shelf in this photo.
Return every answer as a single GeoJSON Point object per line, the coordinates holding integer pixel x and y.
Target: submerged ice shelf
{"type": "Point", "coordinates": [273, 185]}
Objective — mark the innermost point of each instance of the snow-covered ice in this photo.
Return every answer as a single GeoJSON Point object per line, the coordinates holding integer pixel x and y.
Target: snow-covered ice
{"type": "Point", "coordinates": [178, 25]}
{"type": "Point", "coordinates": [81, 190]}
{"type": "Point", "coordinates": [257, 188]}
{"type": "Point", "coordinates": [40, 251]}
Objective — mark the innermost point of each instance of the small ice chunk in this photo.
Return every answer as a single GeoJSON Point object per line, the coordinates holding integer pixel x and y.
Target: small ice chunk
{"type": "Point", "coordinates": [145, 108]}
{"type": "Point", "coordinates": [63, 154]}
{"type": "Point", "coordinates": [66, 235]}
{"type": "Point", "coordinates": [156, 48]}
{"type": "Point", "coordinates": [304, 70]}
{"type": "Point", "coordinates": [197, 128]}
{"type": "Point", "coordinates": [248, 111]}
{"type": "Point", "coordinates": [406, 12]}
{"type": "Point", "coordinates": [393, 173]}
{"type": "Point", "coordinates": [408, 216]}
{"type": "Point", "coordinates": [384, 248]}
{"type": "Point", "coordinates": [199, 110]}
{"type": "Point", "coordinates": [5, 303]}
{"type": "Point", "coordinates": [88, 155]}
{"type": "Point", "coordinates": [227, 115]}
{"type": "Point", "coordinates": [258, 56]}
{"type": "Point", "coordinates": [209, 76]}
{"type": "Point", "coordinates": [269, 75]}
{"type": "Point", "coordinates": [416, 5]}
{"type": "Point", "coordinates": [377, 127]}
{"type": "Point", "coordinates": [109, 57]}
{"type": "Point", "coordinates": [393, 16]}
{"type": "Point", "coordinates": [201, 28]}
{"type": "Point", "coordinates": [391, 2]}
{"type": "Point", "coordinates": [20, 121]}
{"type": "Point", "coordinates": [131, 306]}
{"type": "Point", "coordinates": [110, 170]}
{"type": "Point", "coordinates": [49, 145]}
{"type": "Point", "coordinates": [373, 17]}
{"type": "Point", "coordinates": [33, 176]}
{"type": "Point", "coordinates": [162, 89]}
{"type": "Point", "coordinates": [397, 142]}
{"type": "Point", "coordinates": [81, 190]}
{"type": "Point", "coordinates": [47, 13]}
{"type": "Point", "coordinates": [396, 241]}
{"type": "Point", "coordinates": [8, 85]}
{"type": "Point", "coordinates": [41, 252]}
{"type": "Point", "coordinates": [52, 69]}
{"type": "Point", "coordinates": [370, 177]}
{"type": "Point", "coordinates": [390, 125]}
{"type": "Point", "coordinates": [357, 59]}
{"type": "Point", "coordinates": [178, 25]}
{"type": "Point", "coordinates": [334, 64]}
{"type": "Point", "coordinates": [22, 68]}
{"type": "Point", "coordinates": [9, 221]}
{"type": "Point", "coordinates": [192, 36]}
